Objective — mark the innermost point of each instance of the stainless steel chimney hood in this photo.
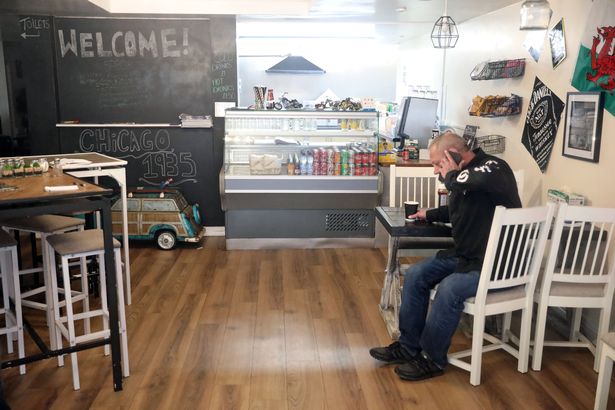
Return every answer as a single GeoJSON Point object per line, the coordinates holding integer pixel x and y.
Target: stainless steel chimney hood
{"type": "Point", "coordinates": [295, 65]}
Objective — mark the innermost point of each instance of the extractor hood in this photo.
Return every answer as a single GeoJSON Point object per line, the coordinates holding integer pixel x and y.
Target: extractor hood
{"type": "Point", "coordinates": [295, 65]}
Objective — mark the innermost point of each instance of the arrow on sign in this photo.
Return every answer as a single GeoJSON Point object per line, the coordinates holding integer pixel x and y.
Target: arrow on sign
{"type": "Point", "coordinates": [24, 35]}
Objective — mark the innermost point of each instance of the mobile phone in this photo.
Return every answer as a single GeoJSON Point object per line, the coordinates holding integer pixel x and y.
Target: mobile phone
{"type": "Point", "coordinates": [455, 156]}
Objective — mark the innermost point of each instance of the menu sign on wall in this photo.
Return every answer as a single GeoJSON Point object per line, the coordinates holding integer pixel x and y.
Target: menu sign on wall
{"type": "Point", "coordinates": [543, 116]}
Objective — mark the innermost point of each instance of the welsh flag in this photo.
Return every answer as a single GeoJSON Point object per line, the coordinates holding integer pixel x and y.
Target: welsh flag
{"type": "Point", "coordinates": [595, 69]}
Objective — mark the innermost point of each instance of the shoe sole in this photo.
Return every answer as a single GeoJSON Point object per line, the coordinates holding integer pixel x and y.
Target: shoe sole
{"type": "Point", "coordinates": [405, 377]}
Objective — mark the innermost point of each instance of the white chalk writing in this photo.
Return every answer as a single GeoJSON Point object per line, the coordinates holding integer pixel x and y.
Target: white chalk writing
{"type": "Point", "coordinates": [167, 43]}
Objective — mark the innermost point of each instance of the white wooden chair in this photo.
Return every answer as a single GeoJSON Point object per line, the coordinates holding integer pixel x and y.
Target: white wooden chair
{"type": "Point", "coordinates": [577, 275]}
{"type": "Point", "coordinates": [516, 245]}
{"type": "Point", "coordinates": [416, 184]}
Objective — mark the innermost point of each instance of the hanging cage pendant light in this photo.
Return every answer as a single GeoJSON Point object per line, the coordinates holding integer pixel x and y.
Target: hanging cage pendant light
{"type": "Point", "coordinates": [535, 15]}
{"type": "Point", "coordinates": [444, 33]}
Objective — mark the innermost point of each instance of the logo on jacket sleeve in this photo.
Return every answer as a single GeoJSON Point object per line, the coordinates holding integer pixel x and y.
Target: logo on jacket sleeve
{"type": "Point", "coordinates": [463, 176]}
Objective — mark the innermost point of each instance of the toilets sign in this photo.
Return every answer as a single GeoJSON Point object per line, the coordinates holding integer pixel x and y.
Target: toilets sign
{"type": "Point", "coordinates": [31, 26]}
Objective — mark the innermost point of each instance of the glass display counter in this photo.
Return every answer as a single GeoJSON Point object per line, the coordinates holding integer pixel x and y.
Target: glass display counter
{"type": "Point", "coordinates": [299, 174]}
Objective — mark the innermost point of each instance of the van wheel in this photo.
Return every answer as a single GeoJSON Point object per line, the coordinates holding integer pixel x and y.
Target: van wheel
{"type": "Point", "coordinates": [166, 240]}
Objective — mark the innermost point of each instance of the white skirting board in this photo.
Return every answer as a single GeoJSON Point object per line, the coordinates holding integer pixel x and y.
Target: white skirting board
{"type": "Point", "coordinates": [214, 231]}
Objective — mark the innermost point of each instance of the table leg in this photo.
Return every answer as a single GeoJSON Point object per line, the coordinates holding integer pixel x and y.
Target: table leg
{"type": "Point", "coordinates": [390, 298]}
{"type": "Point", "coordinates": [112, 296]}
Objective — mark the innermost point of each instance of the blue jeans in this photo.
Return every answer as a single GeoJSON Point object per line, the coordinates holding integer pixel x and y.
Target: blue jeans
{"type": "Point", "coordinates": [433, 333]}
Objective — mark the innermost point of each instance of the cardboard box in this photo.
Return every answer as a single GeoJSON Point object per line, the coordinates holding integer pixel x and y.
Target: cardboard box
{"type": "Point", "coordinates": [556, 195]}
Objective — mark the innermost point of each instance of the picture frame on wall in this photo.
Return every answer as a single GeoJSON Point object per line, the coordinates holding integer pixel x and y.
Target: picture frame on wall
{"type": "Point", "coordinates": [557, 40]}
{"type": "Point", "coordinates": [583, 125]}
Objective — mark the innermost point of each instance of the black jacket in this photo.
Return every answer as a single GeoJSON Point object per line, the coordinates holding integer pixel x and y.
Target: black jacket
{"type": "Point", "coordinates": [474, 192]}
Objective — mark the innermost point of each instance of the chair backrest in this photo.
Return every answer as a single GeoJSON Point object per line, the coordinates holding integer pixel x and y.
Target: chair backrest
{"type": "Point", "coordinates": [515, 248]}
{"type": "Point", "coordinates": [580, 246]}
{"type": "Point", "coordinates": [413, 184]}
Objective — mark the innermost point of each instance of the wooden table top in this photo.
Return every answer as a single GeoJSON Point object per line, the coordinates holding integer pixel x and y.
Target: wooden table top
{"type": "Point", "coordinates": [32, 188]}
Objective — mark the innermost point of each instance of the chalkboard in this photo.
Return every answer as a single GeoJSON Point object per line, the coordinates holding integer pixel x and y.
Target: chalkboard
{"type": "Point", "coordinates": [154, 155]}
{"type": "Point", "coordinates": [132, 70]}
{"type": "Point", "coordinates": [224, 60]}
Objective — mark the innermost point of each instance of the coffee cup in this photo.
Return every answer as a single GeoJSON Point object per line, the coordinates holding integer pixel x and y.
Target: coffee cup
{"type": "Point", "coordinates": [410, 208]}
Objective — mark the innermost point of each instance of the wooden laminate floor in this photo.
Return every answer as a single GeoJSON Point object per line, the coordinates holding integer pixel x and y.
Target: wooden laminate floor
{"type": "Point", "coordinates": [277, 329]}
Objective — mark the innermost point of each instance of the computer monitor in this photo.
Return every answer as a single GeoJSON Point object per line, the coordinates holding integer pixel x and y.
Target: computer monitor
{"type": "Point", "coordinates": [416, 118]}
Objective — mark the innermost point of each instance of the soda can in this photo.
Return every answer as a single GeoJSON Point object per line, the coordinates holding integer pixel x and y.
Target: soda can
{"type": "Point", "coordinates": [351, 154]}
{"type": "Point", "coordinates": [337, 156]}
{"type": "Point", "coordinates": [344, 169]}
{"type": "Point", "coordinates": [351, 169]}
{"type": "Point", "coordinates": [337, 169]}
{"type": "Point", "coordinates": [373, 171]}
{"type": "Point", "coordinates": [330, 168]}
{"type": "Point", "coordinates": [373, 157]}
{"type": "Point", "coordinates": [406, 154]}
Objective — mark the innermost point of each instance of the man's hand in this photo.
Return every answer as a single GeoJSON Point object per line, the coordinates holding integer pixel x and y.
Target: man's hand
{"type": "Point", "coordinates": [448, 164]}
{"type": "Point", "coordinates": [421, 214]}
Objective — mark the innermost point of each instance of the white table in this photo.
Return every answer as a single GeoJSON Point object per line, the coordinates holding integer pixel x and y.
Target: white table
{"type": "Point", "coordinates": [100, 165]}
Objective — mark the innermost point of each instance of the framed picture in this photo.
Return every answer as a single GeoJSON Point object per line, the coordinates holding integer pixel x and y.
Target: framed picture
{"type": "Point", "coordinates": [583, 125]}
{"type": "Point", "coordinates": [558, 43]}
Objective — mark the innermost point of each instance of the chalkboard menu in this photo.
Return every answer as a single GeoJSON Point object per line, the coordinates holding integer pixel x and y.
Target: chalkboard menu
{"type": "Point", "coordinates": [133, 70]}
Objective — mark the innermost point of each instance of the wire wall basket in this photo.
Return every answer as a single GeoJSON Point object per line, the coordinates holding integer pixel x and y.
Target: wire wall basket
{"type": "Point", "coordinates": [493, 70]}
{"type": "Point", "coordinates": [492, 144]}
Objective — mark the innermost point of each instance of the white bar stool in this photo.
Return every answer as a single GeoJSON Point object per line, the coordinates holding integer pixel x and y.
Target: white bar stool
{"type": "Point", "coordinates": [78, 245]}
{"type": "Point", "coordinates": [45, 225]}
{"type": "Point", "coordinates": [13, 320]}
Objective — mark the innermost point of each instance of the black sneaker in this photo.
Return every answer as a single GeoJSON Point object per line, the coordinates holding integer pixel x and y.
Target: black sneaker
{"type": "Point", "coordinates": [394, 353]}
{"type": "Point", "coordinates": [422, 367]}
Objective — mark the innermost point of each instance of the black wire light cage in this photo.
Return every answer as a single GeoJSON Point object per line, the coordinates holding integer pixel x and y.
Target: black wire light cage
{"type": "Point", "coordinates": [444, 33]}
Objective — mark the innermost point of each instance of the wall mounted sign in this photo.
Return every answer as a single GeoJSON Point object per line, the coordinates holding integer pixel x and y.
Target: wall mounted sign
{"type": "Point", "coordinates": [595, 62]}
{"type": "Point", "coordinates": [543, 116]}
{"type": "Point", "coordinates": [557, 40]}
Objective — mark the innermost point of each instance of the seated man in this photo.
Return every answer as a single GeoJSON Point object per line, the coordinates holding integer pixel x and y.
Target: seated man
{"type": "Point", "coordinates": [477, 183]}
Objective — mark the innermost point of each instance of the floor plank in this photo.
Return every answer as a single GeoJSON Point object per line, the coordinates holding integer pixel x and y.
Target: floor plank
{"type": "Point", "coordinates": [277, 329]}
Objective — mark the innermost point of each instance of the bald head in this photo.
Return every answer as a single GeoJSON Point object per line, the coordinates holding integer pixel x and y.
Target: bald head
{"type": "Point", "coordinates": [448, 140]}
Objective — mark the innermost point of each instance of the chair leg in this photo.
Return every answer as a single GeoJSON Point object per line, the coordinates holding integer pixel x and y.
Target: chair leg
{"type": "Point", "coordinates": [51, 279]}
{"type": "Point", "coordinates": [5, 300]}
{"type": "Point", "coordinates": [506, 326]}
{"type": "Point", "coordinates": [604, 378]}
{"type": "Point", "coordinates": [524, 337]}
{"type": "Point", "coordinates": [103, 298]}
{"type": "Point", "coordinates": [122, 314]}
{"type": "Point", "coordinates": [70, 322]}
{"type": "Point", "coordinates": [477, 349]}
{"type": "Point", "coordinates": [85, 290]}
{"type": "Point", "coordinates": [49, 275]}
{"type": "Point", "coordinates": [539, 336]}
{"type": "Point", "coordinates": [14, 279]}
{"type": "Point", "coordinates": [575, 325]}
{"type": "Point", "coordinates": [603, 328]}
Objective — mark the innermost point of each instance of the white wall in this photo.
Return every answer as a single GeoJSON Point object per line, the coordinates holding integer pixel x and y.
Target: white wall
{"type": "Point", "coordinates": [354, 67]}
{"type": "Point", "coordinates": [496, 36]}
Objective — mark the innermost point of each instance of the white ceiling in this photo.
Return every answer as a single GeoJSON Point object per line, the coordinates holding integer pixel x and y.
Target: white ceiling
{"type": "Point", "coordinates": [390, 25]}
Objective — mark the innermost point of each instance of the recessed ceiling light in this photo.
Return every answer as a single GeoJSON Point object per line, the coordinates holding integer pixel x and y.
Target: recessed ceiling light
{"type": "Point", "coordinates": [401, 9]}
